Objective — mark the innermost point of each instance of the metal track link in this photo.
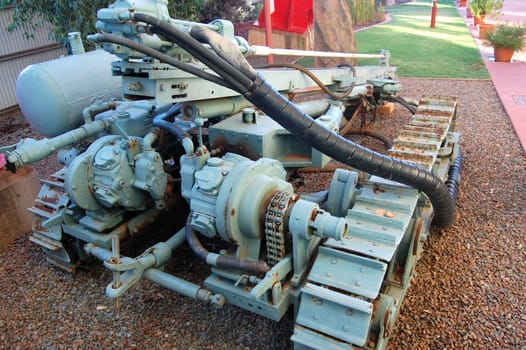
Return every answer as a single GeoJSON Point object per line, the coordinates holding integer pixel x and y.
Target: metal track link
{"type": "Point", "coordinates": [426, 132]}
{"type": "Point", "coordinates": [356, 286]}
{"type": "Point", "coordinates": [47, 232]}
{"type": "Point", "coordinates": [344, 303]}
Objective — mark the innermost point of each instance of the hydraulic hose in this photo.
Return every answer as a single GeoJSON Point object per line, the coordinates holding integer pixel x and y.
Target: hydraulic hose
{"type": "Point", "coordinates": [314, 78]}
{"type": "Point", "coordinates": [161, 121]}
{"type": "Point", "coordinates": [386, 140]}
{"type": "Point", "coordinates": [453, 179]}
{"type": "Point", "coordinates": [303, 126]}
{"type": "Point", "coordinates": [410, 107]}
{"type": "Point", "coordinates": [225, 48]}
{"type": "Point", "coordinates": [115, 39]}
{"type": "Point", "coordinates": [235, 78]}
{"type": "Point", "coordinates": [222, 261]}
{"type": "Point", "coordinates": [170, 113]}
{"type": "Point", "coordinates": [298, 123]}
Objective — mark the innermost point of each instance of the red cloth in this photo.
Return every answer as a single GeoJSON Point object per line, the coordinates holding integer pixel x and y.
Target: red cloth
{"type": "Point", "coordinates": [289, 16]}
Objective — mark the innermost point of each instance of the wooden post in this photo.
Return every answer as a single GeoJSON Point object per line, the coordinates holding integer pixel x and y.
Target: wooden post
{"type": "Point", "coordinates": [17, 193]}
{"type": "Point", "coordinates": [434, 14]}
{"type": "Point", "coordinates": [268, 28]}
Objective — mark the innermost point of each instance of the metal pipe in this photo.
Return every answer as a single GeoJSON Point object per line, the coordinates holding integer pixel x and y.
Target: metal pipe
{"type": "Point", "coordinates": [97, 107]}
{"type": "Point", "coordinates": [268, 29]}
{"type": "Point", "coordinates": [265, 51]}
{"type": "Point", "coordinates": [215, 107]}
{"type": "Point", "coordinates": [315, 107]}
{"type": "Point", "coordinates": [75, 42]}
{"type": "Point", "coordinates": [115, 248]}
{"type": "Point", "coordinates": [30, 151]}
{"type": "Point", "coordinates": [222, 261]}
{"type": "Point", "coordinates": [183, 287]}
{"type": "Point", "coordinates": [176, 240]}
{"type": "Point", "coordinates": [153, 257]}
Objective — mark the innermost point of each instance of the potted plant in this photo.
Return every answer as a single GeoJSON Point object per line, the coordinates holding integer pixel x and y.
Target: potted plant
{"type": "Point", "coordinates": [506, 39]}
{"type": "Point", "coordinates": [482, 8]}
{"type": "Point", "coordinates": [485, 29]}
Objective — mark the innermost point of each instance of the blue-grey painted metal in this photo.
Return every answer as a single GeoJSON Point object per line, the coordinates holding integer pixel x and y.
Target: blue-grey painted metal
{"type": "Point", "coordinates": [51, 97]}
{"type": "Point", "coordinates": [335, 314]}
{"type": "Point", "coordinates": [264, 137]}
{"type": "Point", "coordinates": [187, 155]}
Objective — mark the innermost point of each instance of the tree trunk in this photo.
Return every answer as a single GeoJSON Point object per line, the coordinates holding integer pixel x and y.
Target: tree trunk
{"type": "Point", "coordinates": [333, 30]}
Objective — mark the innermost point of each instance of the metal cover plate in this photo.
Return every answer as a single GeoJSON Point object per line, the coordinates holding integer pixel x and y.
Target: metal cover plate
{"type": "Point", "coordinates": [375, 249]}
{"type": "Point", "coordinates": [348, 272]}
{"type": "Point", "coordinates": [335, 314]}
{"type": "Point", "coordinates": [307, 339]}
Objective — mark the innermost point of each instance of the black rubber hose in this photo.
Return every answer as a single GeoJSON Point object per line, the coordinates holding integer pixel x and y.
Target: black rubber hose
{"type": "Point", "coordinates": [225, 48]}
{"type": "Point", "coordinates": [119, 40]}
{"type": "Point", "coordinates": [411, 108]}
{"type": "Point", "coordinates": [235, 78]}
{"type": "Point", "coordinates": [386, 140]}
{"type": "Point", "coordinates": [302, 125]}
{"type": "Point", "coordinates": [453, 179]}
{"type": "Point", "coordinates": [222, 261]}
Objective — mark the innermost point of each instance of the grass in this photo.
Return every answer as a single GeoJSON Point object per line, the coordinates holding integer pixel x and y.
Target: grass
{"type": "Point", "coordinates": [446, 51]}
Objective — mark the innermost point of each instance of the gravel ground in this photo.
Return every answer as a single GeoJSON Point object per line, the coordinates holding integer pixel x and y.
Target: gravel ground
{"type": "Point", "coordinates": [469, 291]}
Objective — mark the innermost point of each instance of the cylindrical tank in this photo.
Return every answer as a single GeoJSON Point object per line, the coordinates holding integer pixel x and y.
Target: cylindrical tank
{"type": "Point", "coordinates": [53, 94]}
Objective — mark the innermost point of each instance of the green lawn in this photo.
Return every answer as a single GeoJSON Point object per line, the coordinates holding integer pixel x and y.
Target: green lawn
{"type": "Point", "coordinates": [446, 51]}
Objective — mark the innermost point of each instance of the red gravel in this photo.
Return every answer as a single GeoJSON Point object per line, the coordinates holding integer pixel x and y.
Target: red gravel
{"type": "Point", "coordinates": [469, 291]}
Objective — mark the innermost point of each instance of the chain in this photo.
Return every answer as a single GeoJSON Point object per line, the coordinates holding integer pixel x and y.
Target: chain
{"type": "Point", "coordinates": [275, 226]}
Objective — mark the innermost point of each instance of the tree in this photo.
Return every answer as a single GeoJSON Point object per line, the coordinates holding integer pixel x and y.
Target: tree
{"type": "Point", "coordinates": [75, 15]}
{"type": "Point", "coordinates": [232, 10]}
{"type": "Point", "coordinates": [64, 16]}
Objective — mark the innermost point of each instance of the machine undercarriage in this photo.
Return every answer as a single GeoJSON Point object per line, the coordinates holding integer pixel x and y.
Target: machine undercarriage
{"type": "Point", "coordinates": [198, 145]}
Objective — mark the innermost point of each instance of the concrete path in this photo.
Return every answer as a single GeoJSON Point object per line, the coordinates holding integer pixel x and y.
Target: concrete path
{"type": "Point", "coordinates": [509, 79]}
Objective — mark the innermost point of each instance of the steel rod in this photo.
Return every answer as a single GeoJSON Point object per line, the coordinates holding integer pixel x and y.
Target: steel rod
{"type": "Point", "coordinates": [265, 50]}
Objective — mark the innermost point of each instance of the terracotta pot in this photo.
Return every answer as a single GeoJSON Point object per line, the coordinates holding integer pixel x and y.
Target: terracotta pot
{"type": "Point", "coordinates": [485, 29]}
{"type": "Point", "coordinates": [479, 19]}
{"type": "Point", "coordinates": [502, 54]}
{"type": "Point", "coordinates": [462, 3]}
